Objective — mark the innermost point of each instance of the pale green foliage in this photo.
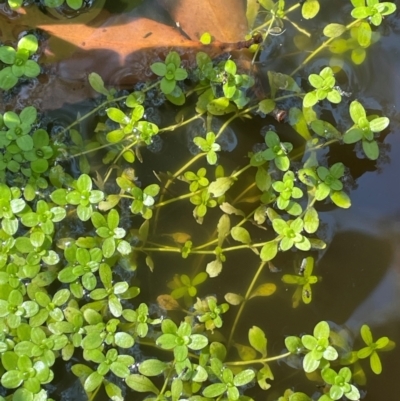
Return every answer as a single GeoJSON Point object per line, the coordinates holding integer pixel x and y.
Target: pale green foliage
{"type": "Point", "coordinates": [68, 245]}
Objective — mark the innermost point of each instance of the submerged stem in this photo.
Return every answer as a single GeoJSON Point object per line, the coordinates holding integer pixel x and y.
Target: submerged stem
{"type": "Point", "coordinates": [321, 47]}
{"type": "Point", "coordinates": [261, 360]}
{"type": "Point", "coordinates": [249, 290]}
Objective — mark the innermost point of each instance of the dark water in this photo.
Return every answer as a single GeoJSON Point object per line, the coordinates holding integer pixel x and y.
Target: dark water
{"type": "Point", "coordinates": [363, 242]}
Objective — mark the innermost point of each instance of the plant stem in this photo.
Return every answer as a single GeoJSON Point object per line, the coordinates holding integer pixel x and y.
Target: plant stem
{"type": "Point", "coordinates": [320, 48]}
{"type": "Point", "coordinates": [171, 180]}
{"type": "Point", "coordinates": [166, 381]}
{"type": "Point", "coordinates": [182, 123]}
{"type": "Point", "coordinates": [262, 360]}
{"type": "Point", "coordinates": [167, 202]}
{"type": "Point", "coordinates": [249, 290]}
{"type": "Point", "coordinates": [95, 110]}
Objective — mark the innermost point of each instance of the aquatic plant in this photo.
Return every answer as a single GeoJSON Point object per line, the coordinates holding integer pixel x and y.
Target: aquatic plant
{"type": "Point", "coordinates": [18, 62]}
{"type": "Point", "coordinates": [71, 243]}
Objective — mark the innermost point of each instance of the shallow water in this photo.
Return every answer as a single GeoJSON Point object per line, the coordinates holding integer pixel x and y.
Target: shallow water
{"type": "Point", "coordinates": [362, 241]}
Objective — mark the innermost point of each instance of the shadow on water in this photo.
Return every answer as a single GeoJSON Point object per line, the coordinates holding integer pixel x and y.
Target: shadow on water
{"type": "Point", "coordinates": [360, 270]}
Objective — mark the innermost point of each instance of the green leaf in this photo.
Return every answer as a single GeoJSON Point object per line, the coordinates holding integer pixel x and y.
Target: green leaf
{"type": "Point", "coordinates": [334, 30]}
{"type": "Point", "coordinates": [244, 377]}
{"type": "Point", "coordinates": [123, 340]}
{"type": "Point", "coordinates": [117, 115]}
{"type": "Point", "coordinates": [25, 142]}
{"type": "Point", "coordinates": [93, 382]}
{"type": "Point", "coordinates": [357, 111]}
{"type": "Point", "coordinates": [266, 106]}
{"type": "Point", "coordinates": [28, 42]}
{"type": "Point", "coordinates": [311, 220]}
{"type": "Point", "coordinates": [173, 58]}
{"type": "Point", "coordinates": [375, 362]}
{"type": "Point", "coordinates": [364, 34]}
{"type": "Point", "coordinates": [353, 135]}
{"type": "Point", "coordinates": [32, 69]}
{"type": "Point", "coordinates": [298, 122]}
{"type": "Point", "coordinates": [282, 81]}
{"type": "Point", "coordinates": [230, 67]}
{"type": "Point", "coordinates": [7, 54]}
{"type": "Point", "coordinates": [240, 234]}
{"type": "Point", "coordinates": [310, 364]}
{"type": "Point", "coordinates": [180, 74]}
{"type": "Point", "coordinates": [386, 8]}
{"type": "Point", "coordinates": [330, 354]}
{"type": "Point", "coordinates": [198, 341]}
{"type": "Point", "coordinates": [366, 334]}
{"type": "Point", "coordinates": [11, 379]}
{"type": "Point", "coordinates": [205, 38]}
{"type": "Point", "coordinates": [218, 187]}
{"type": "Point", "coordinates": [263, 290]}
{"type": "Point", "coordinates": [263, 179]}
{"type": "Point", "coordinates": [7, 79]}
{"type": "Point", "coordinates": [334, 96]}
{"type": "Point", "coordinates": [92, 341]}
{"type": "Point", "coordinates": [360, 12]}
{"type": "Point", "coordinates": [141, 384]}
{"type": "Point", "coordinates": [113, 391]}
{"type": "Point", "coordinates": [370, 149]}
{"type": "Point", "coordinates": [321, 330]}
{"type": "Point", "coordinates": [258, 340]}
{"type": "Point", "coordinates": [310, 9]}
{"type": "Point", "coordinates": [378, 124]}
{"type": "Point", "coordinates": [269, 251]}
{"type": "Point", "coordinates": [159, 69]}
{"type": "Point", "coordinates": [214, 390]}
{"type": "Point", "coordinates": [167, 86]}
{"type": "Point", "coordinates": [310, 99]}
{"type": "Point", "coordinates": [97, 83]}
{"type": "Point", "coordinates": [152, 367]}
{"type": "Point", "coordinates": [341, 199]}
{"type": "Point", "coordinates": [293, 344]}
{"type": "Point", "coordinates": [325, 129]}
{"type": "Point", "coordinates": [219, 106]}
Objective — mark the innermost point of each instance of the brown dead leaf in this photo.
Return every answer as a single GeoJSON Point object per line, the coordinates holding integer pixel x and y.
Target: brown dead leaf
{"type": "Point", "coordinates": [224, 20]}
{"type": "Point", "coordinates": [120, 48]}
{"type": "Point", "coordinates": [167, 302]}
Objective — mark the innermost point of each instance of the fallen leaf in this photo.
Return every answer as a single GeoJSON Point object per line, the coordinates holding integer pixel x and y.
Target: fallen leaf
{"type": "Point", "coordinates": [224, 20]}
{"type": "Point", "coordinates": [120, 48]}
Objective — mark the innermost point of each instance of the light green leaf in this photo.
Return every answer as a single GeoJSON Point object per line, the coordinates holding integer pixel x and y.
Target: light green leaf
{"type": "Point", "coordinates": [310, 99]}
{"type": "Point", "coordinates": [266, 106]}
{"type": "Point", "coordinates": [205, 38]}
{"type": "Point", "coordinates": [152, 367]}
{"type": "Point", "coordinates": [264, 290]}
{"type": "Point", "coordinates": [310, 364]}
{"type": "Point", "coordinates": [269, 251]}
{"type": "Point", "coordinates": [240, 234]}
{"type": "Point", "coordinates": [334, 30]}
{"type": "Point", "coordinates": [141, 384]}
{"type": "Point", "coordinates": [311, 220]}
{"type": "Point", "coordinates": [370, 149]}
{"type": "Point", "coordinates": [258, 340]}
{"type": "Point", "coordinates": [310, 9]}
{"type": "Point", "coordinates": [233, 299]}
{"type": "Point", "coordinates": [218, 187]}
{"type": "Point", "coordinates": [93, 381]}
{"type": "Point", "coordinates": [97, 83]}
{"type": "Point", "coordinates": [244, 377]}
{"type": "Point", "coordinates": [214, 390]}
{"type": "Point", "coordinates": [378, 124]}
{"type": "Point", "coordinates": [357, 111]}
{"type": "Point", "coordinates": [298, 122]}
